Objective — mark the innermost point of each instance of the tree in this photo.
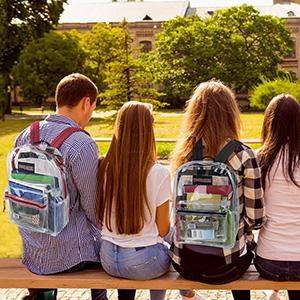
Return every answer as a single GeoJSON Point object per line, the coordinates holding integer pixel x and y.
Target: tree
{"type": "Point", "coordinates": [20, 22]}
{"type": "Point", "coordinates": [257, 43]}
{"type": "Point", "coordinates": [127, 76]}
{"type": "Point", "coordinates": [184, 57]}
{"type": "Point", "coordinates": [102, 46]}
{"type": "Point", "coordinates": [45, 61]}
{"type": "Point", "coordinates": [235, 45]}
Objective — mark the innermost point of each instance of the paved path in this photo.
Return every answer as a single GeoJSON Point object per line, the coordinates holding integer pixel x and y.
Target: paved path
{"type": "Point", "coordinates": [83, 294]}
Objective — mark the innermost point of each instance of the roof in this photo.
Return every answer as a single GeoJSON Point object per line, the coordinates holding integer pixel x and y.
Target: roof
{"type": "Point", "coordinates": [291, 10]}
{"type": "Point", "coordinates": [92, 12]}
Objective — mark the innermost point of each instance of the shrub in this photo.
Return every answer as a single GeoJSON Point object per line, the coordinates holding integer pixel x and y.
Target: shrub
{"type": "Point", "coordinates": [268, 89]}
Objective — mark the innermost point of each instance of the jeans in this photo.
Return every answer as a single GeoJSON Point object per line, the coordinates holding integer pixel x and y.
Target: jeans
{"type": "Point", "coordinates": [205, 269]}
{"type": "Point", "coordinates": [140, 263]}
{"type": "Point", "coordinates": [279, 270]}
{"type": "Point", "coordinates": [50, 294]}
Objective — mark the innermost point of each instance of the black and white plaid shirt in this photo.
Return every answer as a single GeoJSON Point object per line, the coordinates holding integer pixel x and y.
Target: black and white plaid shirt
{"type": "Point", "coordinates": [252, 214]}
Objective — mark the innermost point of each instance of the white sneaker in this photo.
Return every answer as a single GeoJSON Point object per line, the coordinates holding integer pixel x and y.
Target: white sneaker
{"type": "Point", "coordinates": [272, 295]}
{"type": "Point", "coordinates": [195, 297]}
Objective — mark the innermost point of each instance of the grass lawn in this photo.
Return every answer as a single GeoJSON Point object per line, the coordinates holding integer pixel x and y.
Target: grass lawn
{"type": "Point", "coordinates": [167, 125]}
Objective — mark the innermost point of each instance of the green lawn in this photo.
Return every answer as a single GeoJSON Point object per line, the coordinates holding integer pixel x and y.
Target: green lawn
{"type": "Point", "coordinates": [167, 125]}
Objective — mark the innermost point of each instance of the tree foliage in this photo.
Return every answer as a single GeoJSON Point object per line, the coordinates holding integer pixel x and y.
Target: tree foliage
{"type": "Point", "coordinates": [20, 22]}
{"type": "Point", "coordinates": [236, 45]}
{"type": "Point", "coordinates": [268, 89]}
{"type": "Point", "coordinates": [102, 46]}
{"type": "Point", "coordinates": [257, 45]}
{"type": "Point", "coordinates": [127, 76]}
{"type": "Point", "coordinates": [45, 61]}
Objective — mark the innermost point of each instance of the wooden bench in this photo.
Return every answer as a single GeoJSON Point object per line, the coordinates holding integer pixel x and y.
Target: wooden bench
{"type": "Point", "coordinates": [14, 275]}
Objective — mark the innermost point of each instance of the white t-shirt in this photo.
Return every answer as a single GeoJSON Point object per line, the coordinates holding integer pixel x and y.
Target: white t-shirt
{"type": "Point", "coordinates": [279, 239]}
{"type": "Point", "coordinates": [158, 185]}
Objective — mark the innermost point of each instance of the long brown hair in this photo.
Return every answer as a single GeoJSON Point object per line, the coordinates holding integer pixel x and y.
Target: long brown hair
{"type": "Point", "coordinates": [123, 172]}
{"type": "Point", "coordinates": [281, 136]}
{"type": "Point", "coordinates": [212, 115]}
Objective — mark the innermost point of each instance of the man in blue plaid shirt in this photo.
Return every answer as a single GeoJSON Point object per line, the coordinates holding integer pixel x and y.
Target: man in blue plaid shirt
{"type": "Point", "coordinates": [77, 246]}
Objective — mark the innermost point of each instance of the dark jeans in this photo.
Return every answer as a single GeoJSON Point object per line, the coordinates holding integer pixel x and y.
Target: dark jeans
{"type": "Point", "coordinates": [218, 274]}
{"type": "Point", "coordinates": [50, 294]}
{"type": "Point", "coordinates": [126, 294]}
{"type": "Point", "coordinates": [278, 270]}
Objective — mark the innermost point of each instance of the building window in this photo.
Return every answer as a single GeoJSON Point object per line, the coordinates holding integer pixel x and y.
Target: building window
{"type": "Point", "coordinates": [291, 14]}
{"type": "Point", "coordinates": [292, 54]}
{"type": "Point", "coordinates": [146, 46]}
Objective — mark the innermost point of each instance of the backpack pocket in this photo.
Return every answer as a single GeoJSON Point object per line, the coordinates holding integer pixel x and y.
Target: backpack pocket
{"type": "Point", "coordinates": [26, 213]}
{"type": "Point", "coordinates": [34, 207]}
{"type": "Point", "coordinates": [205, 227]}
{"type": "Point", "coordinates": [28, 206]}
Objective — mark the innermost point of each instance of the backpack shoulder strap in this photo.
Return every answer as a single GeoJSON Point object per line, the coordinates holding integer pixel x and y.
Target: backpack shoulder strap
{"type": "Point", "coordinates": [227, 150]}
{"type": "Point", "coordinates": [198, 150]}
{"type": "Point", "coordinates": [57, 142]}
{"type": "Point", "coordinates": [35, 132]}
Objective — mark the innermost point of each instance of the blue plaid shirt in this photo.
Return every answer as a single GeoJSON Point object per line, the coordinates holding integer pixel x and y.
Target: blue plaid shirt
{"type": "Point", "coordinates": [80, 239]}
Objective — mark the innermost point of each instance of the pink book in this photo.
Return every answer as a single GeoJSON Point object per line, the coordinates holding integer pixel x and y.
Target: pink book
{"type": "Point", "coordinates": [224, 190]}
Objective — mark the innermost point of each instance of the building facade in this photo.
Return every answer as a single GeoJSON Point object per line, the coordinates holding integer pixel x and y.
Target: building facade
{"type": "Point", "coordinates": [144, 18]}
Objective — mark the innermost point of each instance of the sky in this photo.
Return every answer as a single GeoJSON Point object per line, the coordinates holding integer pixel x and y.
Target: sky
{"type": "Point", "coordinates": [210, 3]}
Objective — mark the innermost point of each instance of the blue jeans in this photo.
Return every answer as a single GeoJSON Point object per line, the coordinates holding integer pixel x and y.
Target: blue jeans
{"type": "Point", "coordinates": [279, 270]}
{"type": "Point", "coordinates": [140, 263]}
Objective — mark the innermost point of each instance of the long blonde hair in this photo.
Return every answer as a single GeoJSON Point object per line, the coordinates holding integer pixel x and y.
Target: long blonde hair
{"type": "Point", "coordinates": [123, 172]}
{"type": "Point", "coordinates": [212, 114]}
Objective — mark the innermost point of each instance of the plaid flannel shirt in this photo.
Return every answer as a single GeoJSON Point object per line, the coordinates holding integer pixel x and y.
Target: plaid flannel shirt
{"type": "Point", "coordinates": [252, 214]}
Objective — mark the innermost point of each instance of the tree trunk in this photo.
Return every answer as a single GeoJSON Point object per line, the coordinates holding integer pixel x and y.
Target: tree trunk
{"type": "Point", "coordinates": [5, 106]}
{"type": "Point", "coordinates": [128, 81]}
{"type": "Point", "coordinates": [2, 110]}
{"type": "Point", "coordinates": [8, 96]}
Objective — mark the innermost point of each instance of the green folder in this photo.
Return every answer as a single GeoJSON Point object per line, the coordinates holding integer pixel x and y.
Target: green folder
{"type": "Point", "coordinates": [34, 178]}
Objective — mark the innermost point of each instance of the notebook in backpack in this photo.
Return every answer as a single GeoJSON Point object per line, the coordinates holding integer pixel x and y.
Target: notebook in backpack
{"type": "Point", "coordinates": [37, 195]}
{"type": "Point", "coordinates": [206, 200]}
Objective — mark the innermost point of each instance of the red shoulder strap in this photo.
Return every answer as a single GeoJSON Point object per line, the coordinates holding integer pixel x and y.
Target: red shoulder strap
{"type": "Point", "coordinates": [57, 142]}
{"type": "Point", "coordinates": [35, 132]}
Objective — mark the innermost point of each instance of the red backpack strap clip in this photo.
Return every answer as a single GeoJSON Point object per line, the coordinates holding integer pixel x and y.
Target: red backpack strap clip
{"type": "Point", "coordinates": [35, 132]}
{"type": "Point", "coordinates": [57, 142]}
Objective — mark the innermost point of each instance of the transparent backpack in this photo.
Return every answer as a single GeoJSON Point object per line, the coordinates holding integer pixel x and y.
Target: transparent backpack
{"type": "Point", "coordinates": [206, 200]}
{"type": "Point", "coordinates": [37, 195]}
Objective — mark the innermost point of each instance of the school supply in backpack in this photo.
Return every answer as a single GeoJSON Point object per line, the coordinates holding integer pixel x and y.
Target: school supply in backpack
{"type": "Point", "coordinates": [206, 200]}
{"type": "Point", "coordinates": [37, 195]}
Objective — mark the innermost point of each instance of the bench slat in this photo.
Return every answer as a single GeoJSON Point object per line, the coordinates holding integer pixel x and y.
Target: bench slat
{"type": "Point", "coordinates": [14, 275]}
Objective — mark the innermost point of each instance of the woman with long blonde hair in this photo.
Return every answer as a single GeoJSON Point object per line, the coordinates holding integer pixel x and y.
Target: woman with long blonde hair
{"type": "Point", "coordinates": [133, 200]}
{"type": "Point", "coordinates": [212, 116]}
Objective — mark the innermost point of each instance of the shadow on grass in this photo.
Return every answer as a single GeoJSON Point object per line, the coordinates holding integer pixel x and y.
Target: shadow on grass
{"type": "Point", "coordinates": [107, 120]}
{"type": "Point", "coordinates": [14, 126]}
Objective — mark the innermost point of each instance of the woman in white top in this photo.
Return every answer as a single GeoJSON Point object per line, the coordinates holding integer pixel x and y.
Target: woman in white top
{"type": "Point", "coordinates": [278, 247]}
{"type": "Point", "coordinates": [133, 200]}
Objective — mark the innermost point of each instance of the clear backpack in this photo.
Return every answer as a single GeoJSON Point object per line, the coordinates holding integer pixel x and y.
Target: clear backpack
{"type": "Point", "coordinates": [206, 200]}
{"type": "Point", "coordinates": [37, 195]}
